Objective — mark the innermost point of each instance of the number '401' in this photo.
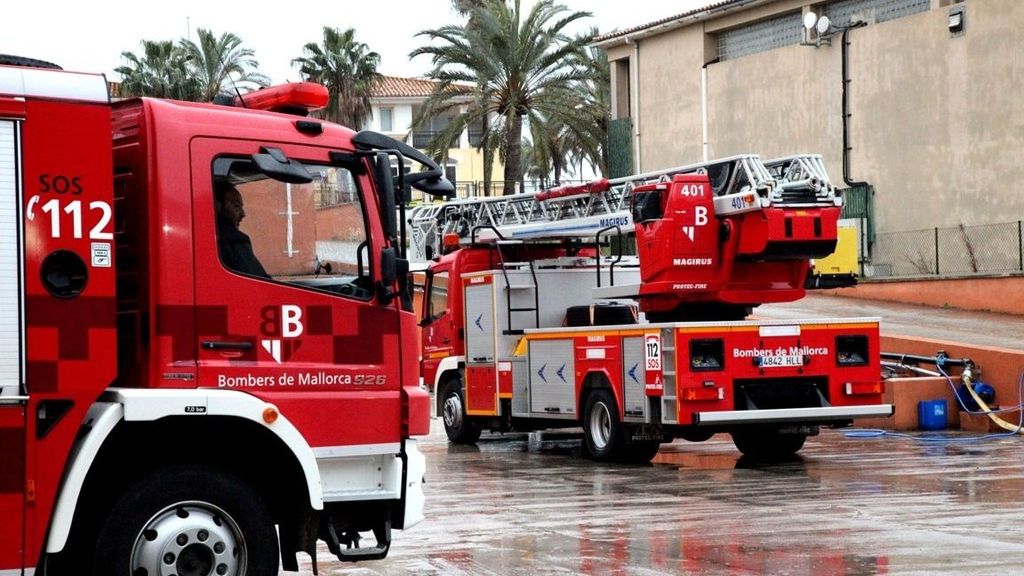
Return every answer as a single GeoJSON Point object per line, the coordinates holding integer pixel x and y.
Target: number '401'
{"type": "Point", "coordinates": [74, 210]}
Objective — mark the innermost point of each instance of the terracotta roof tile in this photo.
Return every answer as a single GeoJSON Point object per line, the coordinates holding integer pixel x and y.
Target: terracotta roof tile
{"type": "Point", "coordinates": [394, 86]}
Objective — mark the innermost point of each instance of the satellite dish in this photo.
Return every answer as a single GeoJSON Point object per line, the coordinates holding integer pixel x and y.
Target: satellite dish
{"type": "Point", "coordinates": [810, 19]}
{"type": "Point", "coordinates": [823, 25]}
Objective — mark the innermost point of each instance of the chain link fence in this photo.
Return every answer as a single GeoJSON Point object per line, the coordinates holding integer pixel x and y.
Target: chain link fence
{"type": "Point", "coordinates": [955, 251]}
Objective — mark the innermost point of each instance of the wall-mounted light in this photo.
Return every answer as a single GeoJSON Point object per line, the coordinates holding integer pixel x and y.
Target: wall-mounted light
{"type": "Point", "coordinates": [956, 20]}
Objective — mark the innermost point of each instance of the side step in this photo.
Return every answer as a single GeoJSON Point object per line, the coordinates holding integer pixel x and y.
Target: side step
{"type": "Point", "coordinates": [343, 538]}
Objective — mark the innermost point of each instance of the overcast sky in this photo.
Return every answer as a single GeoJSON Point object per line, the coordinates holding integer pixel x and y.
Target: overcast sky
{"type": "Point", "coordinates": [90, 36]}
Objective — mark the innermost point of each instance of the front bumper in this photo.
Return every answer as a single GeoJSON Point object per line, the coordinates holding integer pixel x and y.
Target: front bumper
{"type": "Point", "coordinates": [792, 415]}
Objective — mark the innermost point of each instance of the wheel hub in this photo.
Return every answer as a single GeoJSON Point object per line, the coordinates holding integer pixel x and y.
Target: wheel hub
{"type": "Point", "coordinates": [189, 539]}
{"type": "Point", "coordinates": [600, 425]}
{"type": "Point", "coordinates": [453, 411]}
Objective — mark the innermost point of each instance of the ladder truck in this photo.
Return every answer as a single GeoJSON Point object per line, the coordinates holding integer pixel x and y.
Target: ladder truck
{"type": "Point", "coordinates": [169, 408]}
{"type": "Point", "coordinates": [530, 323]}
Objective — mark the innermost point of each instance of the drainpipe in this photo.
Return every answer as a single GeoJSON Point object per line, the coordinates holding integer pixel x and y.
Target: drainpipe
{"type": "Point", "coordinates": [704, 104]}
{"type": "Point", "coordinates": [846, 108]}
{"type": "Point", "coordinates": [846, 134]}
{"type": "Point", "coordinates": [634, 101]}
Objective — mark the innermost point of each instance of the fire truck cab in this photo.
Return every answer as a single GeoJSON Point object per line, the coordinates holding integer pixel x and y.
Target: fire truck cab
{"type": "Point", "coordinates": [167, 406]}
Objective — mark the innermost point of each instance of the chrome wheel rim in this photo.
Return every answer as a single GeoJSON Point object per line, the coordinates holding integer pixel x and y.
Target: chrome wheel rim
{"type": "Point", "coordinates": [600, 425]}
{"type": "Point", "coordinates": [453, 411]}
{"type": "Point", "coordinates": [189, 539]}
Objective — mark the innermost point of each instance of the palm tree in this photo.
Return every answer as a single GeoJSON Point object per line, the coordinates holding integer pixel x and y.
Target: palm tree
{"type": "Point", "coordinates": [221, 64]}
{"type": "Point", "coordinates": [595, 101]}
{"type": "Point", "coordinates": [536, 163]}
{"type": "Point", "coordinates": [161, 72]}
{"type": "Point", "coordinates": [347, 68]}
{"type": "Point", "coordinates": [466, 7]}
{"type": "Point", "coordinates": [521, 66]}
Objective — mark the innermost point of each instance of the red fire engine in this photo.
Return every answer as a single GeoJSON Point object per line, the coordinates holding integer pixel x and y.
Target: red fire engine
{"type": "Point", "coordinates": [526, 327]}
{"type": "Point", "coordinates": [206, 334]}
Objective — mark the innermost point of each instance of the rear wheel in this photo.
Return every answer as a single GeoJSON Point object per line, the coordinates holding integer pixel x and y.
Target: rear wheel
{"type": "Point", "coordinates": [768, 445]}
{"type": "Point", "coordinates": [459, 428]}
{"type": "Point", "coordinates": [603, 434]}
{"type": "Point", "coordinates": [188, 521]}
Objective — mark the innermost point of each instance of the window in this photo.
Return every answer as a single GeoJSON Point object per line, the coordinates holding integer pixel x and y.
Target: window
{"type": "Point", "coordinates": [438, 302]}
{"type": "Point", "coordinates": [843, 12]}
{"type": "Point", "coordinates": [451, 170]}
{"type": "Point", "coordinates": [386, 119]}
{"type": "Point", "coordinates": [476, 134]}
{"type": "Point", "coordinates": [287, 233]}
{"type": "Point", "coordinates": [761, 36]}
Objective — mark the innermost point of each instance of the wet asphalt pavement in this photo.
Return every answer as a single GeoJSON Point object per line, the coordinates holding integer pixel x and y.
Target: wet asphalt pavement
{"type": "Point", "coordinates": [946, 324]}
{"type": "Point", "coordinates": [529, 504]}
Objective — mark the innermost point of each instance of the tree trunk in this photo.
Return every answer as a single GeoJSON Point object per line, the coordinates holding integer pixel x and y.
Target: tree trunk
{"type": "Point", "coordinates": [513, 153]}
{"type": "Point", "coordinates": [488, 167]}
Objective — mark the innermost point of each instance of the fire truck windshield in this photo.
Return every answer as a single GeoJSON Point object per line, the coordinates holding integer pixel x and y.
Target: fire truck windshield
{"type": "Point", "coordinates": [313, 235]}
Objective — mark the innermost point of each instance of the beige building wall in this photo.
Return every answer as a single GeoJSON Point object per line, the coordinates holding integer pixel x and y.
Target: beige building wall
{"type": "Point", "coordinates": [936, 125]}
{"type": "Point", "coordinates": [470, 162]}
{"type": "Point", "coordinates": [668, 100]}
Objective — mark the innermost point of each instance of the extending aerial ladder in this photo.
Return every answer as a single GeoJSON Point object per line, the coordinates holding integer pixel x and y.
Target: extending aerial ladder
{"type": "Point", "coordinates": [741, 184]}
{"type": "Point", "coordinates": [772, 217]}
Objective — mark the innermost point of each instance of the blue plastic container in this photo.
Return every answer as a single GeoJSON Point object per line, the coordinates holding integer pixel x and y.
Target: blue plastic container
{"type": "Point", "coordinates": [931, 414]}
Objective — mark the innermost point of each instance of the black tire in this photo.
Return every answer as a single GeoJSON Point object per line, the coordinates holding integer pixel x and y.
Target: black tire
{"type": "Point", "coordinates": [211, 518]}
{"type": "Point", "coordinates": [9, 60]}
{"type": "Point", "coordinates": [604, 436]}
{"type": "Point", "coordinates": [459, 428]}
{"type": "Point", "coordinates": [577, 316]}
{"type": "Point", "coordinates": [767, 445]}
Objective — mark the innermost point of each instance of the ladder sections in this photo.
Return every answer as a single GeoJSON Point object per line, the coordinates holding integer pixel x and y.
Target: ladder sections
{"type": "Point", "coordinates": [740, 183]}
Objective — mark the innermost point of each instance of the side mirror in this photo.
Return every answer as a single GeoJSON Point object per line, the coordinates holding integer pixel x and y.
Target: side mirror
{"type": "Point", "coordinates": [386, 190]}
{"type": "Point", "coordinates": [430, 181]}
{"type": "Point", "coordinates": [432, 184]}
{"type": "Point", "coordinates": [388, 274]}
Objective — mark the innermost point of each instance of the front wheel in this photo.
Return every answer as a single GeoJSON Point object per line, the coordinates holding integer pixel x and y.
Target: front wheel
{"type": "Point", "coordinates": [188, 521]}
{"type": "Point", "coordinates": [459, 428]}
{"type": "Point", "coordinates": [767, 445]}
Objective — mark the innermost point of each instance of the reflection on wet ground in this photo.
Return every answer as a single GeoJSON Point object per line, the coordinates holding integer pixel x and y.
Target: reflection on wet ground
{"type": "Point", "coordinates": [528, 504]}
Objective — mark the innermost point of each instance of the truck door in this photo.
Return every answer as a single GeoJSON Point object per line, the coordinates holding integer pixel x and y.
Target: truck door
{"type": "Point", "coordinates": [286, 302]}
{"type": "Point", "coordinates": [57, 312]}
{"type": "Point", "coordinates": [12, 401]}
{"type": "Point", "coordinates": [438, 329]}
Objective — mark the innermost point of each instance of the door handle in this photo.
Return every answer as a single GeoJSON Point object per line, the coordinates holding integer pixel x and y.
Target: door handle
{"type": "Point", "coordinates": [220, 345]}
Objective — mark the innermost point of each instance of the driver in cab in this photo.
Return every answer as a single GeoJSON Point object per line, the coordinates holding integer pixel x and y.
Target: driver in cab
{"type": "Point", "coordinates": [234, 246]}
